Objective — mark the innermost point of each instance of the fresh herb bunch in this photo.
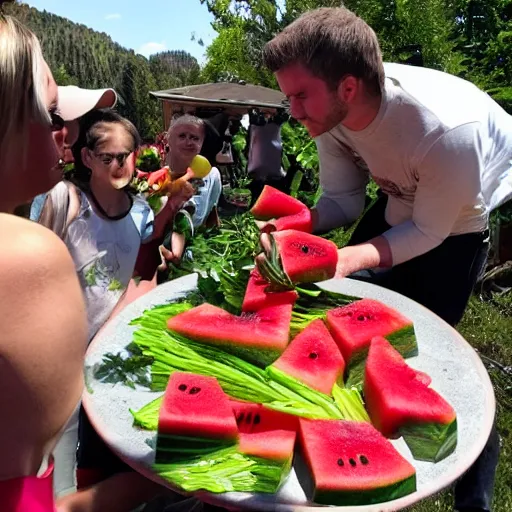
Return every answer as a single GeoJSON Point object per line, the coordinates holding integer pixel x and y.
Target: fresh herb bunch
{"type": "Point", "coordinates": [130, 371]}
{"type": "Point", "coordinates": [228, 248]}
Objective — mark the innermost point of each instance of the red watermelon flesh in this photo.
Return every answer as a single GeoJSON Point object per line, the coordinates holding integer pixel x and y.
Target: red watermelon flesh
{"type": "Point", "coordinates": [260, 337]}
{"type": "Point", "coordinates": [272, 204]}
{"type": "Point", "coordinates": [313, 358]}
{"type": "Point", "coordinates": [301, 221]}
{"type": "Point", "coordinates": [351, 463]}
{"type": "Point", "coordinates": [195, 406]}
{"type": "Point", "coordinates": [403, 404]}
{"type": "Point", "coordinates": [305, 257]}
{"type": "Point", "coordinates": [265, 433]}
{"type": "Point", "coordinates": [257, 298]}
{"type": "Point", "coordinates": [354, 326]}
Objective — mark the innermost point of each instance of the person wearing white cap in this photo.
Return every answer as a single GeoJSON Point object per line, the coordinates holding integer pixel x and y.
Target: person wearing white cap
{"type": "Point", "coordinates": [74, 102]}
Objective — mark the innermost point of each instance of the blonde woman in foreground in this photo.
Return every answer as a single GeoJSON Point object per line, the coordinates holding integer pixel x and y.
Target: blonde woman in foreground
{"type": "Point", "coordinates": [43, 335]}
{"type": "Point", "coordinates": [44, 328]}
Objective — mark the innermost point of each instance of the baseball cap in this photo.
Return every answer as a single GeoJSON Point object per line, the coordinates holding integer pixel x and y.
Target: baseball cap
{"type": "Point", "coordinates": [74, 101]}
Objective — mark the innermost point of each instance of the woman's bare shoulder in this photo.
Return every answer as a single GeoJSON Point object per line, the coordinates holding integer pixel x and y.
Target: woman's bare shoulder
{"type": "Point", "coordinates": [42, 340]}
{"type": "Point", "coordinates": [29, 248]}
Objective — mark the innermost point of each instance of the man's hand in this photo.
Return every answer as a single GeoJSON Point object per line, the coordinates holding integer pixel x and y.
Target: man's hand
{"type": "Point", "coordinates": [372, 254]}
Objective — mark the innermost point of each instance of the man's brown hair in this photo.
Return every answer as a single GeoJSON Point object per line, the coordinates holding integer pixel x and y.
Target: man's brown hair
{"type": "Point", "coordinates": [331, 43]}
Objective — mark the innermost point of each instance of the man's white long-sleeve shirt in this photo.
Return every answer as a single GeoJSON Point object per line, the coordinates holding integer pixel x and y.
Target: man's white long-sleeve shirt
{"type": "Point", "coordinates": [439, 147]}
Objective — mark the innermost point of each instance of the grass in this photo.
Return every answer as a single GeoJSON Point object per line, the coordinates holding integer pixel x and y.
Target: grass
{"type": "Point", "coordinates": [487, 326]}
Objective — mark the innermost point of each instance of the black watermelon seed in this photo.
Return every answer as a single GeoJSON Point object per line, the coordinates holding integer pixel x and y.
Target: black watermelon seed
{"type": "Point", "coordinates": [182, 387]}
{"type": "Point", "coordinates": [363, 459]}
{"type": "Point", "coordinates": [352, 462]}
{"type": "Point", "coordinates": [240, 417]}
{"type": "Point", "coordinates": [313, 355]}
{"type": "Point", "coordinates": [249, 417]}
{"type": "Point", "coordinates": [340, 462]}
{"type": "Point", "coordinates": [257, 419]}
{"type": "Point", "coordinates": [304, 249]}
{"type": "Point", "coordinates": [195, 390]}
{"type": "Point", "coordinates": [361, 318]}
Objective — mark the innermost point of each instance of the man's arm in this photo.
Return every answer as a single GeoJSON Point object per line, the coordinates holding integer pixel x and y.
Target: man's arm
{"type": "Point", "coordinates": [449, 180]}
{"type": "Point", "coordinates": [342, 184]}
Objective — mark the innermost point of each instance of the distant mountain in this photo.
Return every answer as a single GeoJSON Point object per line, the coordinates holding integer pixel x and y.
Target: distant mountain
{"type": "Point", "coordinates": [81, 56]}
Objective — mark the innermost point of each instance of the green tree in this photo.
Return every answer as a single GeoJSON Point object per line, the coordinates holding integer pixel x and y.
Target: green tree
{"type": "Point", "coordinates": [62, 77]}
{"type": "Point", "coordinates": [229, 58]}
{"type": "Point", "coordinates": [245, 26]}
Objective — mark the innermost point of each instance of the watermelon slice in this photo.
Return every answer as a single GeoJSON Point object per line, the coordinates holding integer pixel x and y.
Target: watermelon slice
{"type": "Point", "coordinates": [256, 297]}
{"type": "Point", "coordinates": [301, 221]}
{"type": "Point", "coordinates": [292, 257]}
{"type": "Point", "coordinates": [313, 358]}
{"type": "Point", "coordinates": [195, 417]}
{"type": "Point", "coordinates": [265, 433]}
{"type": "Point", "coordinates": [353, 464]}
{"type": "Point", "coordinates": [257, 337]}
{"type": "Point", "coordinates": [405, 405]}
{"type": "Point", "coordinates": [273, 204]}
{"type": "Point", "coordinates": [354, 326]}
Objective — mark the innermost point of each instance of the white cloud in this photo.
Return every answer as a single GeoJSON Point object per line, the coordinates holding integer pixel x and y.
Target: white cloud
{"type": "Point", "coordinates": [113, 16]}
{"type": "Point", "coordinates": [148, 49]}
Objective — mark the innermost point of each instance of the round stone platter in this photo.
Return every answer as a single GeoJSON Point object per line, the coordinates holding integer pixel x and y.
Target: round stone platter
{"type": "Point", "coordinates": [456, 370]}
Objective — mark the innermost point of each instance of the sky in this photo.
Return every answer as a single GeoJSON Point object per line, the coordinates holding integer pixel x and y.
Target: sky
{"type": "Point", "coordinates": [146, 27]}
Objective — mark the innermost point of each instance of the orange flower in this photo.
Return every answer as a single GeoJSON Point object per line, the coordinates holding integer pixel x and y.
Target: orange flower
{"type": "Point", "coordinates": [158, 180]}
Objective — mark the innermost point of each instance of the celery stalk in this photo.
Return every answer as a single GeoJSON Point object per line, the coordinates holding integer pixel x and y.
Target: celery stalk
{"type": "Point", "coordinates": [350, 403]}
{"type": "Point", "coordinates": [225, 470]}
{"type": "Point", "coordinates": [313, 396]}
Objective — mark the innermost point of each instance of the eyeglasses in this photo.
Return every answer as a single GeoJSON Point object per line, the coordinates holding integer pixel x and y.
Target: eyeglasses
{"type": "Point", "coordinates": [56, 121]}
{"type": "Point", "coordinates": [108, 158]}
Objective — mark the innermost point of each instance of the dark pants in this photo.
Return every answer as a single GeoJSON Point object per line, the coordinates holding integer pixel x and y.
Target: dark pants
{"type": "Point", "coordinates": [441, 280]}
{"type": "Point", "coordinates": [95, 460]}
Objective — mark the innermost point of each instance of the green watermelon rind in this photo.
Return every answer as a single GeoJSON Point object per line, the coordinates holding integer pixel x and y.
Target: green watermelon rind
{"type": "Point", "coordinates": [403, 340]}
{"type": "Point", "coordinates": [172, 448]}
{"type": "Point", "coordinates": [257, 356]}
{"type": "Point", "coordinates": [431, 442]}
{"type": "Point", "coordinates": [367, 497]}
{"type": "Point", "coordinates": [224, 470]}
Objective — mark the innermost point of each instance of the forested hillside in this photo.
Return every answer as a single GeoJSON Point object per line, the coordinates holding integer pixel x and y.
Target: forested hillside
{"type": "Point", "coordinates": [80, 56]}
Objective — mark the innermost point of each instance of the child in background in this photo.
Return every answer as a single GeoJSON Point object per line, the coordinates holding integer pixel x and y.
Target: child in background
{"type": "Point", "coordinates": [103, 225]}
{"type": "Point", "coordinates": [185, 139]}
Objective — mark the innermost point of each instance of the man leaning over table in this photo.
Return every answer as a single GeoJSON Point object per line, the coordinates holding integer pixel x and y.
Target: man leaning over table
{"type": "Point", "coordinates": [440, 150]}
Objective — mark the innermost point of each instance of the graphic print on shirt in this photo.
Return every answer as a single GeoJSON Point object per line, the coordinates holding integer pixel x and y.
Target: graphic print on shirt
{"type": "Point", "coordinates": [99, 268]}
{"type": "Point", "coordinates": [104, 270]}
{"type": "Point", "coordinates": [391, 188]}
{"type": "Point", "coordinates": [387, 186]}
{"type": "Point", "coordinates": [355, 156]}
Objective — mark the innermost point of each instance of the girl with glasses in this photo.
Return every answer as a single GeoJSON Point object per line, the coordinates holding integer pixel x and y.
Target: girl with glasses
{"type": "Point", "coordinates": [103, 223]}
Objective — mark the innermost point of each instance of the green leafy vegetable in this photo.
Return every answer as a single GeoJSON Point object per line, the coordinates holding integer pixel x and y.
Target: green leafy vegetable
{"type": "Point", "coordinates": [129, 371]}
{"type": "Point", "coordinates": [350, 403]}
{"type": "Point", "coordinates": [225, 470]}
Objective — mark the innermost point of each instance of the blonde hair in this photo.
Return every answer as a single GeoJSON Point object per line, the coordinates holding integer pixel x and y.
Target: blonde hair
{"type": "Point", "coordinates": [22, 87]}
